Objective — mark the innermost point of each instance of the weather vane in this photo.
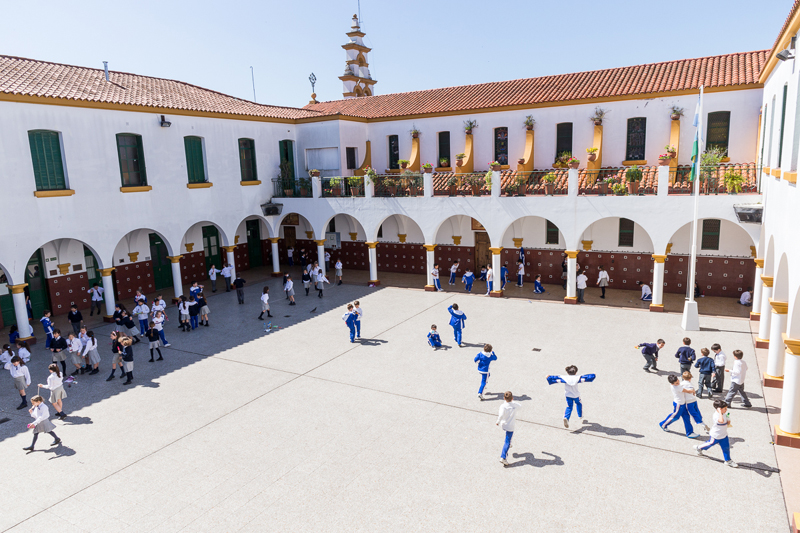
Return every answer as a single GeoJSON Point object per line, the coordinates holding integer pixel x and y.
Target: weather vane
{"type": "Point", "coordinates": [313, 80]}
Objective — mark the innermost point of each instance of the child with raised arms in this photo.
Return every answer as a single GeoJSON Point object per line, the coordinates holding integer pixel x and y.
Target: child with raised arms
{"type": "Point", "coordinates": [484, 359]}
{"type": "Point", "coordinates": [571, 381]}
{"type": "Point", "coordinates": [458, 320]}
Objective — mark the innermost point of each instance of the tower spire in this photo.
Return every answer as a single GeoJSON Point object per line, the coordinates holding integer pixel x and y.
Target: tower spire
{"type": "Point", "coordinates": [356, 80]}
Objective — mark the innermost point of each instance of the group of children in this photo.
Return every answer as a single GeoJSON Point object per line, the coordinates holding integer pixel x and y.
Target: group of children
{"type": "Point", "coordinates": [487, 275]}
{"type": "Point", "coordinates": [352, 319]}
{"type": "Point", "coordinates": [314, 276]}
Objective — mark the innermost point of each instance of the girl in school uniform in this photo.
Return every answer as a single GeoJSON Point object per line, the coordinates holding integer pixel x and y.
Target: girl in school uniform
{"type": "Point", "coordinates": [76, 354]}
{"type": "Point", "coordinates": [158, 305]}
{"type": "Point", "coordinates": [204, 310]}
{"type": "Point", "coordinates": [129, 327]}
{"type": "Point", "coordinates": [21, 376]}
{"type": "Point", "coordinates": [7, 354]}
{"type": "Point", "coordinates": [139, 296]}
{"type": "Point", "coordinates": [90, 353]}
{"type": "Point", "coordinates": [116, 355]}
{"type": "Point", "coordinates": [602, 281]}
{"type": "Point", "coordinates": [289, 290]}
{"type": "Point", "coordinates": [155, 342]}
{"type": "Point", "coordinates": [321, 281]}
{"type": "Point", "coordinates": [127, 359]}
{"type": "Point", "coordinates": [265, 301]}
{"type": "Point", "coordinates": [306, 282]}
{"type": "Point", "coordinates": [158, 321]}
{"type": "Point", "coordinates": [338, 267]}
{"type": "Point", "coordinates": [55, 384]}
{"type": "Point", "coordinates": [23, 351]}
{"type": "Point", "coordinates": [183, 310]}
{"type": "Point", "coordinates": [435, 277]}
{"type": "Point", "coordinates": [41, 422]}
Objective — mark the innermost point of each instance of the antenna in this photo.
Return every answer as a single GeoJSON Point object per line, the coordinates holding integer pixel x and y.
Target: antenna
{"type": "Point", "coordinates": [359, 11]}
{"type": "Point", "coordinates": [252, 77]}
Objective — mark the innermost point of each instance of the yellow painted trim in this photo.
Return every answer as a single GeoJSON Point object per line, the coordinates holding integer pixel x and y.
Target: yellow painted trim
{"type": "Point", "coordinates": [457, 240]}
{"type": "Point", "coordinates": [429, 247]}
{"type": "Point", "coordinates": [229, 249]}
{"type": "Point", "coordinates": [792, 345]}
{"type": "Point", "coordinates": [641, 162]}
{"type": "Point", "coordinates": [413, 164]}
{"type": "Point", "coordinates": [402, 237]}
{"type": "Point", "coordinates": [766, 170]}
{"type": "Point", "coordinates": [781, 43]}
{"type": "Point", "coordinates": [443, 169]}
{"type": "Point", "coordinates": [674, 140]}
{"type": "Point", "coordinates": [659, 258]}
{"type": "Point", "coordinates": [106, 271]}
{"type": "Point", "coordinates": [133, 256]}
{"type": "Point", "coordinates": [356, 46]}
{"type": "Point", "coordinates": [205, 185]}
{"type": "Point", "coordinates": [753, 251]}
{"type": "Point", "coordinates": [320, 242]}
{"type": "Point", "coordinates": [768, 280]}
{"type": "Point", "coordinates": [174, 258]}
{"type": "Point", "coordinates": [360, 171]}
{"type": "Point", "coordinates": [139, 188]}
{"type": "Point", "coordinates": [249, 183]}
{"type": "Point", "coordinates": [469, 163]}
{"type": "Point", "coordinates": [597, 142]}
{"type": "Point", "coordinates": [274, 240]}
{"type": "Point", "coordinates": [189, 246]}
{"type": "Point", "coordinates": [669, 248]}
{"type": "Point", "coordinates": [571, 254]}
{"type": "Point", "coordinates": [758, 136]}
{"type": "Point", "coordinates": [365, 81]}
{"type": "Point", "coordinates": [657, 305]}
{"type": "Point", "coordinates": [776, 172]}
{"type": "Point", "coordinates": [573, 298]}
{"type": "Point", "coordinates": [517, 242]}
{"type": "Point", "coordinates": [64, 267]}
{"type": "Point", "coordinates": [371, 244]}
{"type": "Point", "coordinates": [791, 177]}
{"type": "Point", "coordinates": [587, 245]}
{"type": "Point", "coordinates": [496, 251]}
{"type": "Point", "coordinates": [353, 236]}
{"type": "Point", "coordinates": [778, 307]}
{"type": "Point", "coordinates": [236, 239]}
{"type": "Point", "coordinates": [527, 166]}
{"type": "Point", "coordinates": [759, 263]}
{"type": "Point", "coordinates": [17, 289]}
{"type": "Point", "coordinates": [53, 194]}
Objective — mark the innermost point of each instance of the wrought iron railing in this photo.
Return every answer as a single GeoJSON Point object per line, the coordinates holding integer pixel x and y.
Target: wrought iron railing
{"type": "Point", "coordinates": [398, 185]}
{"type": "Point", "coordinates": [339, 186]}
{"type": "Point", "coordinates": [290, 188]}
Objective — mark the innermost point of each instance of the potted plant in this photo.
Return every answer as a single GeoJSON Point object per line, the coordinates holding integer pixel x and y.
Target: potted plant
{"type": "Point", "coordinates": [414, 132]}
{"type": "Point", "coordinates": [573, 162]}
{"type": "Point", "coordinates": [671, 151]}
{"type": "Point", "coordinates": [529, 122]}
{"type": "Point", "coordinates": [549, 181]}
{"type": "Point", "coordinates": [561, 160]}
{"type": "Point", "coordinates": [370, 175]}
{"type": "Point", "coordinates": [474, 182]}
{"type": "Point", "coordinates": [619, 189]}
{"type": "Point", "coordinates": [602, 186]}
{"type": "Point", "coordinates": [313, 173]}
{"type": "Point", "coordinates": [591, 154]}
{"type": "Point", "coordinates": [511, 189]}
{"type": "Point", "coordinates": [494, 165]}
{"type": "Point", "coordinates": [733, 182]}
{"type": "Point", "coordinates": [460, 159]}
{"type": "Point", "coordinates": [521, 161]}
{"type": "Point", "coordinates": [391, 185]}
{"type": "Point", "coordinates": [427, 168]}
{"type": "Point", "coordinates": [633, 175]}
{"type": "Point", "coordinates": [403, 163]}
{"type": "Point", "coordinates": [469, 125]}
{"type": "Point", "coordinates": [675, 112]}
{"type": "Point", "coordinates": [355, 185]}
{"type": "Point", "coordinates": [305, 186]}
{"type": "Point", "coordinates": [522, 184]}
{"type": "Point", "coordinates": [336, 186]}
{"type": "Point", "coordinates": [664, 159]}
{"type": "Point", "coordinates": [452, 185]}
{"type": "Point", "coordinates": [444, 162]}
{"type": "Point", "coordinates": [709, 167]}
{"type": "Point", "coordinates": [598, 115]}
{"type": "Point", "coordinates": [415, 184]}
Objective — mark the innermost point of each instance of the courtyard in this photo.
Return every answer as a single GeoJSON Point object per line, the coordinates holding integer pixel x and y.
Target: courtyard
{"type": "Point", "coordinates": [299, 430]}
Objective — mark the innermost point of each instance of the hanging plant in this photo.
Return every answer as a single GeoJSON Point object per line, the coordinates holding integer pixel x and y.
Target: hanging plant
{"type": "Point", "coordinates": [469, 125]}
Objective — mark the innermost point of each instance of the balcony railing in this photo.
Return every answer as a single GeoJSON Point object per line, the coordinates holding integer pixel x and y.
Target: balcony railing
{"type": "Point", "coordinates": [289, 188]}
{"type": "Point", "coordinates": [721, 179]}
{"type": "Point", "coordinates": [398, 185]}
{"type": "Point", "coordinates": [452, 184]}
{"type": "Point", "coordinates": [618, 181]}
{"type": "Point", "coordinates": [341, 186]}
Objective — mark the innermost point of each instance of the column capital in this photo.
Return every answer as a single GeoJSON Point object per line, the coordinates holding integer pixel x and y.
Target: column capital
{"type": "Point", "coordinates": [371, 244]}
{"type": "Point", "coordinates": [320, 242]}
{"type": "Point", "coordinates": [353, 235]}
{"type": "Point", "coordinates": [768, 280]}
{"type": "Point", "coordinates": [17, 289]}
{"type": "Point", "coordinates": [106, 271]}
{"type": "Point", "coordinates": [402, 237]}
{"type": "Point", "coordinates": [587, 245]}
{"type": "Point", "coordinates": [189, 246]}
{"type": "Point", "coordinates": [429, 247]}
{"type": "Point", "coordinates": [659, 258]}
{"type": "Point", "coordinates": [571, 254]}
{"type": "Point", "coordinates": [759, 263]}
{"type": "Point", "coordinates": [309, 235]}
{"type": "Point", "coordinates": [496, 251]}
{"type": "Point", "coordinates": [64, 267]}
{"type": "Point", "coordinates": [274, 240]}
{"type": "Point", "coordinates": [669, 248]}
{"type": "Point", "coordinates": [229, 249]}
{"type": "Point", "coordinates": [174, 258]}
{"type": "Point", "coordinates": [133, 256]}
{"type": "Point", "coordinates": [780, 308]}
{"type": "Point", "coordinates": [792, 345]}
{"type": "Point", "coordinates": [457, 240]}
{"type": "Point", "coordinates": [517, 242]}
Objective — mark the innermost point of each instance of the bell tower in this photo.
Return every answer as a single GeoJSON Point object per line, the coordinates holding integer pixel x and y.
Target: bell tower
{"type": "Point", "coordinates": [356, 79]}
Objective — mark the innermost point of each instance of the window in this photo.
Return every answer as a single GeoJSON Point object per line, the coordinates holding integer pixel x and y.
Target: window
{"type": "Point", "coordinates": [719, 124]}
{"type": "Point", "coordinates": [444, 148]}
{"type": "Point", "coordinates": [194, 159]}
{"type": "Point", "coordinates": [625, 232]}
{"type": "Point", "coordinates": [764, 134]}
{"type": "Point", "coordinates": [247, 159]}
{"type": "Point", "coordinates": [636, 137]}
{"type": "Point", "coordinates": [771, 131]}
{"type": "Point", "coordinates": [332, 226]}
{"type": "Point", "coordinates": [380, 232]}
{"type": "Point", "coordinates": [394, 151]}
{"type": "Point", "coordinates": [352, 163]}
{"type": "Point", "coordinates": [131, 160]}
{"type": "Point", "coordinates": [501, 145]}
{"type": "Point", "coordinates": [783, 122]}
{"type": "Point", "coordinates": [563, 138]}
{"type": "Point", "coordinates": [286, 152]}
{"type": "Point", "coordinates": [48, 166]}
{"type": "Point", "coordinates": [551, 234]}
{"type": "Point", "coordinates": [710, 240]}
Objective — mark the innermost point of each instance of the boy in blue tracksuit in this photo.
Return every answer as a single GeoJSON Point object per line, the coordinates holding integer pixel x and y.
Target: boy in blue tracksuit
{"type": "Point", "coordinates": [484, 359]}
{"type": "Point", "coordinates": [538, 288]}
{"type": "Point", "coordinates": [350, 318]}
{"type": "Point", "coordinates": [435, 277]}
{"type": "Point", "coordinates": [686, 355]}
{"type": "Point", "coordinates": [434, 340]}
{"type": "Point", "coordinates": [570, 382]}
{"type": "Point", "coordinates": [679, 407]}
{"type": "Point", "coordinates": [650, 353]}
{"type": "Point", "coordinates": [48, 328]}
{"type": "Point", "coordinates": [503, 277]}
{"type": "Point", "coordinates": [453, 272]}
{"type": "Point", "coordinates": [707, 369]}
{"type": "Point", "coordinates": [458, 321]}
{"type": "Point", "coordinates": [468, 279]}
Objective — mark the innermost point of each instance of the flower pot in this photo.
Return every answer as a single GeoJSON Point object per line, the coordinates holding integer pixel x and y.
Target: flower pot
{"type": "Point", "coordinates": [403, 165]}
{"type": "Point", "coordinates": [288, 192]}
{"type": "Point", "coordinates": [459, 162]}
{"type": "Point", "coordinates": [549, 188]}
{"type": "Point", "coordinates": [602, 188]}
{"type": "Point", "coordinates": [633, 187]}
{"type": "Point", "coordinates": [336, 191]}
{"type": "Point", "coordinates": [591, 157]}
{"type": "Point", "coordinates": [476, 190]}
{"type": "Point", "coordinates": [452, 190]}
{"type": "Point", "coordinates": [598, 122]}
{"type": "Point", "coordinates": [573, 165]}
{"type": "Point", "coordinates": [495, 168]}
{"type": "Point", "coordinates": [427, 170]}
{"type": "Point", "coordinates": [392, 190]}
{"type": "Point", "coordinates": [511, 192]}
{"type": "Point", "coordinates": [414, 135]}
{"type": "Point", "coordinates": [619, 193]}
{"type": "Point", "coordinates": [521, 161]}
{"type": "Point", "coordinates": [315, 173]}
{"type": "Point", "coordinates": [529, 128]}
{"type": "Point", "coordinates": [468, 132]}
{"type": "Point", "coordinates": [672, 155]}
{"type": "Point", "coordinates": [675, 117]}
{"type": "Point", "coordinates": [355, 190]}
{"type": "Point", "coordinates": [413, 190]}
{"type": "Point", "coordinates": [303, 192]}
{"type": "Point", "coordinates": [663, 162]}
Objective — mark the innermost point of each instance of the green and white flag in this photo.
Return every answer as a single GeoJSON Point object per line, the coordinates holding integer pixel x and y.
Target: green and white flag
{"type": "Point", "coordinates": [696, 145]}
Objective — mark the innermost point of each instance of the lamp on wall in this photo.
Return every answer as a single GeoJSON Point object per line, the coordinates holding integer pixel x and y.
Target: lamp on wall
{"type": "Point", "coordinates": [784, 55]}
{"type": "Point", "coordinates": [164, 122]}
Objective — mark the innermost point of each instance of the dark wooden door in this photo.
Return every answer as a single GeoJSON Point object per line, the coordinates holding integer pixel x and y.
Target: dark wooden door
{"type": "Point", "coordinates": [254, 243]}
{"type": "Point", "coordinates": [483, 255]}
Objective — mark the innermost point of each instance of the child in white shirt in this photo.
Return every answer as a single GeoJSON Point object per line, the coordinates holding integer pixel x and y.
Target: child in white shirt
{"type": "Point", "coordinates": [570, 382]}
{"type": "Point", "coordinates": [719, 433]}
{"type": "Point", "coordinates": [506, 419]}
{"type": "Point", "coordinates": [738, 374]}
{"type": "Point", "coordinates": [435, 277]}
{"type": "Point", "coordinates": [691, 399]}
{"type": "Point", "coordinates": [265, 303]}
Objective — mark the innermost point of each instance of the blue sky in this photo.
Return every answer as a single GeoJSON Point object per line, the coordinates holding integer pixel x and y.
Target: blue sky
{"type": "Point", "coordinates": [417, 44]}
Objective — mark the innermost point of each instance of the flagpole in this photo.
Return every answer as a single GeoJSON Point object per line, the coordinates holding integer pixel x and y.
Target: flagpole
{"type": "Point", "coordinates": [691, 318]}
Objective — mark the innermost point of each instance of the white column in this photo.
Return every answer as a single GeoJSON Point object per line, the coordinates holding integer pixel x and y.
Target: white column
{"type": "Point", "coordinates": [790, 397]}
{"type": "Point", "coordinates": [427, 181]}
{"type": "Point", "coordinates": [231, 258]}
{"type": "Point", "coordinates": [276, 264]}
{"type": "Point", "coordinates": [430, 261]}
{"type": "Point", "coordinates": [21, 310]}
{"type": "Point", "coordinates": [321, 255]}
{"type": "Point", "coordinates": [108, 290]}
{"type": "Point", "coordinates": [765, 319]}
{"type": "Point", "coordinates": [572, 275]}
{"type": "Point", "coordinates": [573, 176]}
{"type": "Point", "coordinates": [373, 262]}
{"type": "Point", "coordinates": [316, 187]}
{"type": "Point", "coordinates": [177, 286]}
{"type": "Point", "coordinates": [658, 280]}
{"type": "Point", "coordinates": [369, 188]}
{"type": "Point", "coordinates": [496, 184]}
{"type": "Point", "coordinates": [757, 285]}
{"type": "Point", "coordinates": [496, 266]}
{"type": "Point", "coordinates": [663, 185]}
{"type": "Point", "coordinates": [777, 351]}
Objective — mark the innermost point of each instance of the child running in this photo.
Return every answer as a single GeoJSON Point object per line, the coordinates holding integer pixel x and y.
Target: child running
{"type": "Point", "coordinates": [506, 419]}
{"type": "Point", "coordinates": [434, 341]}
{"type": "Point", "coordinates": [57, 393]}
{"type": "Point", "coordinates": [738, 374]}
{"type": "Point", "coordinates": [679, 407]}
{"type": "Point", "coordinates": [468, 279]}
{"type": "Point", "coordinates": [719, 433]}
{"type": "Point", "coordinates": [458, 320]}
{"type": "Point", "coordinates": [21, 377]}
{"type": "Point", "coordinates": [691, 399]}
{"type": "Point", "coordinates": [265, 302]}
{"type": "Point", "coordinates": [570, 382]}
{"type": "Point", "coordinates": [41, 422]}
{"type": "Point", "coordinates": [484, 359]}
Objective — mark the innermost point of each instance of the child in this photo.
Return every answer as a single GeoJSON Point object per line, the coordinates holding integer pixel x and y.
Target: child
{"type": "Point", "coordinates": [142, 313]}
{"type": "Point", "coordinates": [116, 355]}
{"type": "Point", "coordinates": [238, 282]}
{"type": "Point", "coordinates": [454, 271]}
{"type": "Point", "coordinates": [602, 281]}
{"type": "Point", "coordinates": [47, 324]}
{"type": "Point", "coordinates": [7, 355]}
{"type": "Point", "coordinates": [75, 318]}
{"type": "Point", "coordinates": [158, 305]}
{"type": "Point", "coordinates": [226, 275]}
{"type": "Point", "coordinates": [503, 276]}
{"type": "Point", "coordinates": [458, 321]}
{"type": "Point", "coordinates": [128, 327]}
{"type": "Point", "coordinates": [738, 374]}
{"type": "Point", "coordinates": [483, 274]}
{"type": "Point", "coordinates": [158, 320]}
{"type": "Point", "coordinates": [327, 260]}
{"type": "Point", "coordinates": [41, 422]}
{"type": "Point", "coordinates": [359, 313]}
{"type": "Point", "coordinates": [484, 359]}
{"type": "Point", "coordinates": [13, 334]}
{"type": "Point", "coordinates": [55, 386]}
{"type": "Point", "coordinates": [686, 355]}
{"type": "Point", "coordinates": [650, 353]}
{"type": "Point", "coordinates": [194, 311]}
{"type": "Point", "coordinates": [59, 348]}
{"type": "Point", "coordinates": [90, 354]}
{"type": "Point", "coordinates": [265, 302]}
{"type": "Point", "coordinates": [706, 366]}
{"type": "Point", "coordinates": [691, 399]}
{"type": "Point", "coordinates": [127, 358]}
{"type": "Point", "coordinates": [434, 341]}
{"type": "Point", "coordinates": [212, 275]}
{"type": "Point", "coordinates": [580, 285]}
{"type": "Point", "coordinates": [350, 321]}
{"type": "Point", "coordinates": [505, 419]}
{"type": "Point", "coordinates": [538, 288]}
{"type": "Point", "coordinates": [719, 433]}
{"type": "Point", "coordinates": [195, 289]}
{"type": "Point", "coordinates": [679, 407]}
{"type": "Point", "coordinates": [117, 316]}
{"type": "Point", "coordinates": [306, 280]}
{"type": "Point", "coordinates": [489, 279]}
{"type": "Point", "coordinates": [76, 351]}
{"type": "Point", "coordinates": [290, 255]}
{"type": "Point", "coordinates": [468, 279]}
{"type": "Point", "coordinates": [520, 272]}
{"type": "Point", "coordinates": [204, 310]}
{"type": "Point", "coordinates": [23, 351]}
{"type": "Point", "coordinates": [97, 298]}
{"type": "Point", "coordinates": [139, 296]}
{"type": "Point", "coordinates": [183, 311]}
{"type": "Point", "coordinates": [338, 267]}
{"type": "Point", "coordinates": [321, 281]}
{"type": "Point", "coordinates": [155, 342]}
{"type": "Point", "coordinates": [21, 376]}
{"type": "Point", "coordinates": [570, 382]}
{"type": "Point", "coordinates": [647, 294]}
{"type": "Point", "coordinates": [719, 365]}
{"type": "Point", "coordinates": [435, 277]}
{"type": "Point", "coordinates": [289, 290]}
{"type": "Point", "coordinates": [747, 297]}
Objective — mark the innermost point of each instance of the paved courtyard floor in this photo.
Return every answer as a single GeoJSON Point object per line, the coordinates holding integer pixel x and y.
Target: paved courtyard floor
{"type": "Point", "coordinates": [299, 430]}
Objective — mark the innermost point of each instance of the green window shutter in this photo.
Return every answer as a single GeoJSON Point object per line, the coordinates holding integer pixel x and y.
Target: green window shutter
{"type": "Point", "coordinates": [710, 240]}
{"type": "Point", "coordinates": [551, 233]}
{"type": "Point", "coordinates": [247, 159]}
{"type": "Point", "coordinates": [444, 147]}
{"type": "Point", "coordinates": [719, 124]}
{"type": "Point", "coordinates": [563, 138]}
{"type": "Point", "coordinates": [394, 152]}
{"type": "Point", "coordinates": [287, 155]}
{"type": "Point", "coordinates": [194, 159]}
{"type": "Point", "coordinates": [48, 166]}
{"type": "Point", "coordinates": [637, 128]}
{"type": "Point", "coordinates": [501, 145]}
{"type": "Point", "coordinates": [131, 160]}
{"type": "Point", "coordinates": [625, 232]}
{"type": "Point", "coordinates": [783, 123]}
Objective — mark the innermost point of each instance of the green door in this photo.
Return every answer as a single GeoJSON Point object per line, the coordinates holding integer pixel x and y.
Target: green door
{"type": "Point", "coordinates": [254, 243]}
{"type": "Point", "coordinates": [37, 285]}
{"type": "Point", "coordinates": [6, 302]}
{"type": "Point", "coordinates": [162, 269]}
{"type": "Point", "coordinates": [92, 274]}
{"type": "Point", "coordinates": [211, 246]}
{"type": "Point", "coordinates": [286, 150]}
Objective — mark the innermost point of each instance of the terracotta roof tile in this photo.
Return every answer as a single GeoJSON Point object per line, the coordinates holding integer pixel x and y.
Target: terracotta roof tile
{"type": "Point", "coordinates": [792, 12]}
{"type": "Point", "coordinates": [686, 74]}
{"type": "Point", "coordinates": [29, 77]}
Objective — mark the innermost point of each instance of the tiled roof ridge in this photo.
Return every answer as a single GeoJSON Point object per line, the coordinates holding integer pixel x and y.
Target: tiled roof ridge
{"type": "Point", "coordinates": [792, 12]}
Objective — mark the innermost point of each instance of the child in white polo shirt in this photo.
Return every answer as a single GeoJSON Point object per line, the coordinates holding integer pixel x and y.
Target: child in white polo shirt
{"type": "Point", "coordinates": [719, 433]}
{"type": "Point", "coordinates": [570, 382]}
{"type": "Point", "coordinates": [506, 419]}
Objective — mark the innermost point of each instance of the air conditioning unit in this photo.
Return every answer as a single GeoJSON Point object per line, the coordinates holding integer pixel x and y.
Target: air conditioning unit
{"type": "Point", "coordinates": [749, 213]}
{"type": "Point", "coordinates": [271, 209]}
